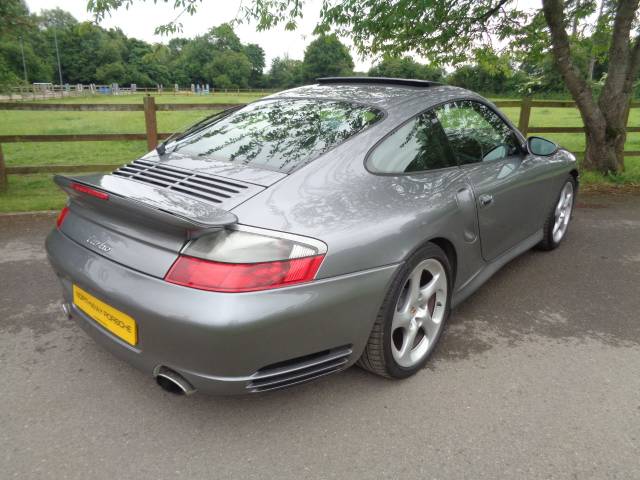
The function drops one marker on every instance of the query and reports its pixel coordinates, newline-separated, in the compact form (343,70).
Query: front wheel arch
(576,176)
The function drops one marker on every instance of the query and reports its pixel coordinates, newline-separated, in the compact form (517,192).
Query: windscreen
(279,134)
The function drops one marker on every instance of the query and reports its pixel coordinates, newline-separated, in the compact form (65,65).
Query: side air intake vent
(202,186)
(299,370)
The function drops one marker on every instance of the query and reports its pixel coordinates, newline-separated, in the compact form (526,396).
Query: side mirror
(541,146)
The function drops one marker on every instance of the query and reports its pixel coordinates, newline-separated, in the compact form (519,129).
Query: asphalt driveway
(537,376)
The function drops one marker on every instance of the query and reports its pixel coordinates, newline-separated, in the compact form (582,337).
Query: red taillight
(242,277)
(90,191)
(61,216)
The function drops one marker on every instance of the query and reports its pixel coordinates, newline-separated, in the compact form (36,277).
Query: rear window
(281,134)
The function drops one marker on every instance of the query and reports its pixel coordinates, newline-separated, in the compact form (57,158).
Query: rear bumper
(221,342)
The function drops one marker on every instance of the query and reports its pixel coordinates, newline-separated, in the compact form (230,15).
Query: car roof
(385,93)
(409,82)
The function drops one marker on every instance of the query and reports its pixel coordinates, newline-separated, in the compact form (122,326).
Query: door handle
(485,200)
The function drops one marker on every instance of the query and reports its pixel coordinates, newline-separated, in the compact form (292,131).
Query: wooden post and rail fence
(152,136)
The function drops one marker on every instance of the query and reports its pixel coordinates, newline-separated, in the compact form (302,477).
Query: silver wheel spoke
(430,288)
(407,344)
(414,288)
(401,320)
(424,315)
(408,300)
(559,208)
(431,328)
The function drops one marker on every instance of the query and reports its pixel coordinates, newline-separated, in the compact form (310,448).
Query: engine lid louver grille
(210,188)
(299,370)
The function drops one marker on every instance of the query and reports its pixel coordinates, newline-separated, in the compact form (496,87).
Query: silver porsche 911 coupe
(322,226)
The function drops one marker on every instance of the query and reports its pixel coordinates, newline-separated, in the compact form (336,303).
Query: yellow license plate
(118,323)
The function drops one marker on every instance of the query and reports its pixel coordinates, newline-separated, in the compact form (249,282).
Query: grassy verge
(627,181)
(31,193)
(37,192)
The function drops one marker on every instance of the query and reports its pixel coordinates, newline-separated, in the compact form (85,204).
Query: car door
(507,185)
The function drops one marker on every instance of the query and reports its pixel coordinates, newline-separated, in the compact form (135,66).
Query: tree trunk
(605,120)
(604,150)
(606,134)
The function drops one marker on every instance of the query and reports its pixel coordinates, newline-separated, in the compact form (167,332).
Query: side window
(417,146)
(476,133)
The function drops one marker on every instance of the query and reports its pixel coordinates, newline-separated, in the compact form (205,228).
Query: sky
(141,19)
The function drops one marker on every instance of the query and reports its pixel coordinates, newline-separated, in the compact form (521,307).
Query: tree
(605,118)
(406,67)
(493,73)
(218,58)
(224,38)
(228,69)
(255,55)
(84,49)
(326,56)
(18,34)
(450,32)
(285,73)
(194,55)
(14,17)
(111,73)
(37,69)
(90,53)
(57,18)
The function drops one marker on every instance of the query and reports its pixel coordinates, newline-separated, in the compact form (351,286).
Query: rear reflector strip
(90,191)
(61,216)
(242,277)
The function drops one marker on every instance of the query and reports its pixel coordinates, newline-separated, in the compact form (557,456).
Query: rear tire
(557,223)
(412,316)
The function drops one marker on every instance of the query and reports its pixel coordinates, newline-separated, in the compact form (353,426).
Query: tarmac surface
(537,376)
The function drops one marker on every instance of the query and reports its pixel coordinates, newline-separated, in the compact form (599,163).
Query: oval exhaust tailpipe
(172,382)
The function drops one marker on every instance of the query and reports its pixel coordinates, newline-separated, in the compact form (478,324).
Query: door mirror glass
(541,146)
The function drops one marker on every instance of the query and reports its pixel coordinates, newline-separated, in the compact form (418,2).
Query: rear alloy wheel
(412,316)
(557,224)
(419,312)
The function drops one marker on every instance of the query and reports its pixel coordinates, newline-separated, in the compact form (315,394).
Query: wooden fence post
(3,172)
(626,115)
(525,114)
(150,122)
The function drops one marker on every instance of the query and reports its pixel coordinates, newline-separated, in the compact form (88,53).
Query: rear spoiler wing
(157,204)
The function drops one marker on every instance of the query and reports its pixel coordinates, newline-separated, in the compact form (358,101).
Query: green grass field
(37,192)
